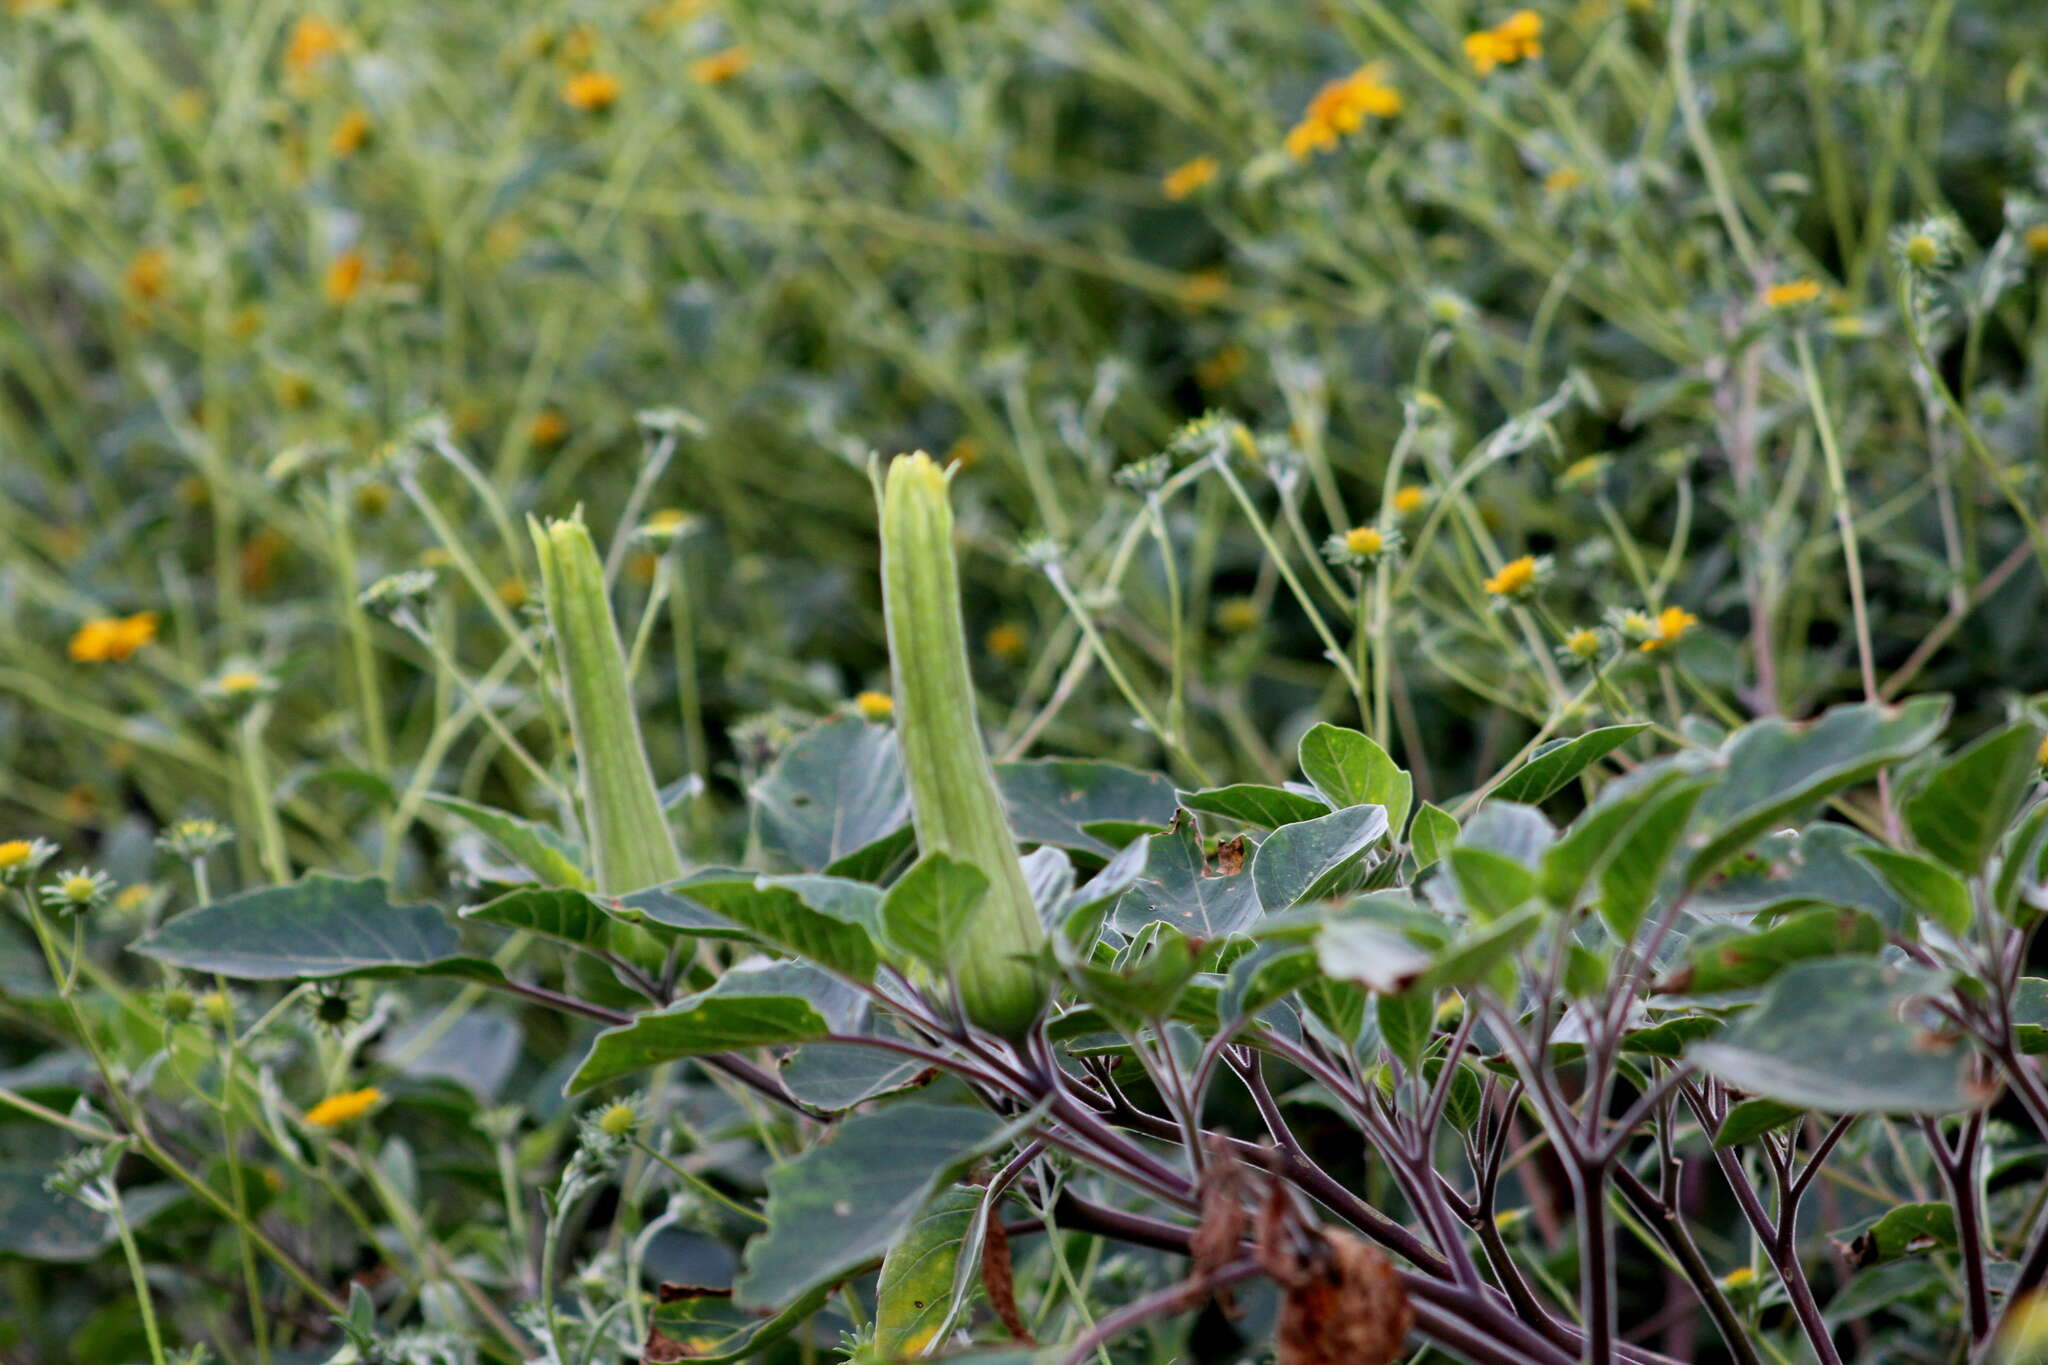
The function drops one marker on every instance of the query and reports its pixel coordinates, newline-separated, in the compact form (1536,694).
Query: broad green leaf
(1181,887)
(848,1199)
(926,913)
(1146,979)
(914,1296)
(315,928)
(1925,885)
(777,915)
(1266,974)
(1463,1101)
(1350,769)
(1963,808)
(1773,768)
(1406,1021)
(1831,1036)
(1472,956)
(1432,835)
(2018,887)
(1634,865)
(1550,768)
(837,1076)
(1751,1119)
(1339,1006)
(1791,871)
(836,790)
(714,1020)
(1576,858)
(2030,1015)
(715,1331)
(1740,959)
(1907,1230)
(1249,803)
(1492,884)
(541,851)
(38,1224)
(1376,956)
(570,917)
(1055,800)
(1309,860)
(1515,832)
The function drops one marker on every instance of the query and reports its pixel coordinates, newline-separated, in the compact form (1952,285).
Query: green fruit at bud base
(955,804)
(630,842)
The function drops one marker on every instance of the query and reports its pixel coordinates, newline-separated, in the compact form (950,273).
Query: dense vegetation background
(1646,360)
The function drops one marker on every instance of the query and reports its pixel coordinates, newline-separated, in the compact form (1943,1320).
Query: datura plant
(1699,1044)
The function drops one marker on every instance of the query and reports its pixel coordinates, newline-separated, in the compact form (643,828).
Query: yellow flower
(2036,239)
(1203,288)
(591,92)
(15,853)
(313,40)
(1672,622)
(1739,1278)
(1562,179)
(1410,500)
(549,429)
(344,277)
(336,1110)
(1007,641)
(1364,541)
(1184,179)
(513,592)
(1513,39)
(240,682)
(1583,643)
(1791,293)
(720,67)
(875,705)
(1515,578)
(1236,615)
(619,1120)
(148,274)
(113,638)
(350,134)
(1341,107)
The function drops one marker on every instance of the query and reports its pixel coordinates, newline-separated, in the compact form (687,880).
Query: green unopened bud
(955,804)
(630,840)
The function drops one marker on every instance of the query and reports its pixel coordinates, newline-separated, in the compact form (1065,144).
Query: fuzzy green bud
(631,845)
(955,804)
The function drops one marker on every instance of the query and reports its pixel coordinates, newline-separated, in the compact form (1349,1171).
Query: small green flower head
(19,858)
(395,592)
(76,891)
(176,1004)
(218,1009)
(1582,646)
(1927,247)
(619,1120)
(1145,476)
(1445,308)
(1361,547)
(239,687)
(1041,553)
(194,838)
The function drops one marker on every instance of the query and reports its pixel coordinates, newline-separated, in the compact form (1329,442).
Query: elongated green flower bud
(629,836)
(957,808)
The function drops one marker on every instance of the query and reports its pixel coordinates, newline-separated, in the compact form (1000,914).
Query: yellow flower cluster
(344,277)
(313,40)
(1518,37)
(1342,107)
(875,706)
(350,134)
(1515,578)
(336,1110)
(113,638)
(720,67)
(591,92)
(1791,293)
(1184,179)
(1672,623)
